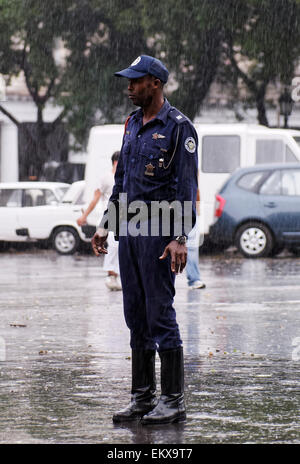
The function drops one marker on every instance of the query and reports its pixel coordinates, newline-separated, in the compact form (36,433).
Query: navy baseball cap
(144,65)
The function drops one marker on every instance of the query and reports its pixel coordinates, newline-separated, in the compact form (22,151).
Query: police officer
(158,162)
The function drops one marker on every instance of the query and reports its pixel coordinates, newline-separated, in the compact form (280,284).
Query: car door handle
(270,204)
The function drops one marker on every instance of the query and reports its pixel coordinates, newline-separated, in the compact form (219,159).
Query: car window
(290,157)
(290,182)
(272,185)
(250,180)
(60,192)
(50,197)
(11,198)
(220,153)
(33,197)
(269,151)
(80,199)
(38,197)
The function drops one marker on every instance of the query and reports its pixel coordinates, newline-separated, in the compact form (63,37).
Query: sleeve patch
(190,145)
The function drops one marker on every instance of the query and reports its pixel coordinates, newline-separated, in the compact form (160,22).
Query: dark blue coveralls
(149,169)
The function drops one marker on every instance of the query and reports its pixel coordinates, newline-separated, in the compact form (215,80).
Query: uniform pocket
(152,165)
(154,158)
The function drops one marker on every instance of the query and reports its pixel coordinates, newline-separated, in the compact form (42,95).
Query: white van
(103,142)
(222,149)
(225,147)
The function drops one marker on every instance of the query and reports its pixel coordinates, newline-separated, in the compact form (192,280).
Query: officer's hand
(178,255)
(98,242)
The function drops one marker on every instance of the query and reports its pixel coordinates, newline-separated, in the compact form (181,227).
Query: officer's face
(142,90)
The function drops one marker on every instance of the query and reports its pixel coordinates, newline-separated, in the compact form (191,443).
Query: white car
(34,211)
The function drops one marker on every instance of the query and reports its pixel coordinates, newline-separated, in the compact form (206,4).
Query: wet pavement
(65,357)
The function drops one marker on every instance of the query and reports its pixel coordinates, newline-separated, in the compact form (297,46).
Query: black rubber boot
(171,407)
(143,389)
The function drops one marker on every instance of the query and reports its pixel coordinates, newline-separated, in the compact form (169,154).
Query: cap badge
(135,62)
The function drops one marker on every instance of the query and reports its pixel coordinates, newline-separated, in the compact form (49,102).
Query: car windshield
(11,198)
(74,193)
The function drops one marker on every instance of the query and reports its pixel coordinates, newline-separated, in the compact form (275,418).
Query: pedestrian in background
(193,242)
(158,162)
(103,192)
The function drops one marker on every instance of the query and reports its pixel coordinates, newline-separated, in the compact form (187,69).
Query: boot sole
(174,420)
(119,420)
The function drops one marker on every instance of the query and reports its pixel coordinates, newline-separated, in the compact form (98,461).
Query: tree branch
(249,82)
(40,101)
(59,118)
(258,91)
(10,116)
(25,67)
(47,95)
(49,128)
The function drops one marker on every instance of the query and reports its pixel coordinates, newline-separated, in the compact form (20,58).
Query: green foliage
(197,39)
(102,37)
(99,37)
(266,38)
(187,35)
(269,35)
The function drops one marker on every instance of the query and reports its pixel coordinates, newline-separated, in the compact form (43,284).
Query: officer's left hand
(178,255)
(98,242)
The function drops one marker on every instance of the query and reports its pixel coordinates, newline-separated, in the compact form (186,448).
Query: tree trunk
(192,90)
(38,145)
(261,110)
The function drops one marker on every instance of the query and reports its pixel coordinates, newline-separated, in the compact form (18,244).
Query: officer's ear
(158,83)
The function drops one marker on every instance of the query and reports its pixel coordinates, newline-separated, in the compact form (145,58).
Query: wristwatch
(181,239)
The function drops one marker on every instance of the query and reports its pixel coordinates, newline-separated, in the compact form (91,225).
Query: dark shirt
(158,160)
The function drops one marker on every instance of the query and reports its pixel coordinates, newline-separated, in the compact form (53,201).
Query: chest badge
(149,169)
(156,136)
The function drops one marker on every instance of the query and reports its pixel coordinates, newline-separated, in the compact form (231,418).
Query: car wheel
(65,240)
(254,240)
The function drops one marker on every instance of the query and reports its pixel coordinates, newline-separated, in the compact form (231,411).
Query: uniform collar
(162,115)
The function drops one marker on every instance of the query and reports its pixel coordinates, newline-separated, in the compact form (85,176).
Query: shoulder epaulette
(177,116)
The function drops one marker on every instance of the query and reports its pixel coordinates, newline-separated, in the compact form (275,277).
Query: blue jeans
(192,265)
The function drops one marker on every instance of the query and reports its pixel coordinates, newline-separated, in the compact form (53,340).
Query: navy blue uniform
(158,161)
